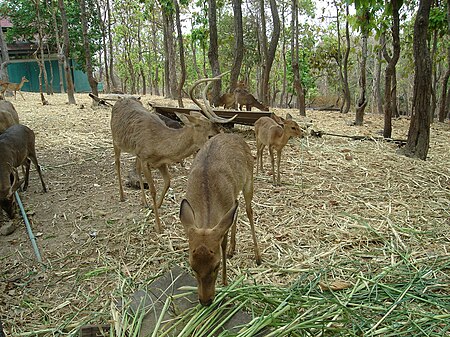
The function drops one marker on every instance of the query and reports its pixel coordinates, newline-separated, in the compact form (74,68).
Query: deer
(8,115)
(220,171)
(17,148)
(227,100)
(15,87)
(274,133)
(137,131)
(243,97)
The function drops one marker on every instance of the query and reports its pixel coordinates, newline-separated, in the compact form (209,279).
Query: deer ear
(227,220)
(183,118)
(288,117)
(187,216)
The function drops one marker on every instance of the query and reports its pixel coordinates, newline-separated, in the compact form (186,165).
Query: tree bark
(182,61)
(390,69)
(4,57)
(346,88)
(445,95)
(213,53)
(59,47)
(377,81)
(87,50)
(298,87)
(114,84)
(418,141)
(271,52)
(70,87)
(362,101)
(238,44)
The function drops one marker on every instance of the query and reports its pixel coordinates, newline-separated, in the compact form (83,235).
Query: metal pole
(30,232)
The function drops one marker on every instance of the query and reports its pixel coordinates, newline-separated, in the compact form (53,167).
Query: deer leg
(278,166)
(38,169)
(248,196)
(166,176)
(117,164)
(232,247)
(20,92)
(272,160)
(27,174)
(261,152)
(151,185)
(224,260)
(141,182)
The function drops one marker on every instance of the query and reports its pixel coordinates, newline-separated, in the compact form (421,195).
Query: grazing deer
(275,134)
(135,130)
(15,87)
(16,149)
(227,100)
(8,115)
(220,171)
(243,97)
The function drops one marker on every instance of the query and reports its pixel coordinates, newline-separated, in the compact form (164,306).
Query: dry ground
(338,199)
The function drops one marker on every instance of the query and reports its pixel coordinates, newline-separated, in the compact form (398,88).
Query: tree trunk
(4,57)
(419,129)
(182,61)
(295,59)
(114,84)
(59,49)
(378,101)
(362,101)
(106,82)
(271,52)
(213,53)
(87,50)
(390,69)
(346,88)
(445,95)
(70,87)
(238,44)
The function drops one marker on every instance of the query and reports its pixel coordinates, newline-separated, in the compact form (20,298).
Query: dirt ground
(337,197)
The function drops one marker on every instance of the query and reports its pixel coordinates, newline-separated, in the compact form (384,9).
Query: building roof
(4,22)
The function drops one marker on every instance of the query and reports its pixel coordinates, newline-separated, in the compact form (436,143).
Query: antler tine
(207,109)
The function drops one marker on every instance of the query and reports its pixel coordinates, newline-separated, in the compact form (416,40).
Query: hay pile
(347,212)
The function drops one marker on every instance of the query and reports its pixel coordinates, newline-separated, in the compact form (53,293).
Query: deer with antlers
(274,133)
(220,171)
(15,87)
(137,131)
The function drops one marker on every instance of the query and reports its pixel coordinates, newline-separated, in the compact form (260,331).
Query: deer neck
(181,143)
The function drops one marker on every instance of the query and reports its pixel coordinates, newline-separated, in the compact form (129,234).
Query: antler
(207,109)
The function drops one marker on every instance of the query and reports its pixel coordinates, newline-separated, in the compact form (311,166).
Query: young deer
(274,134)
(13,87)
(220,171)
(16,149)
(8,115)
(137,131)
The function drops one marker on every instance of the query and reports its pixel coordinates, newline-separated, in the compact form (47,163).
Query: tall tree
(394,6)
(238,44)
(363,14)
(298,87)
(213,53)
(59,48)
(66,48)
(4,57)
(270,53)
(444,107)
(182,61)
(87,50)
(419,129)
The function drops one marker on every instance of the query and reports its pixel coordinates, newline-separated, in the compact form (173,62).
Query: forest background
(356,54)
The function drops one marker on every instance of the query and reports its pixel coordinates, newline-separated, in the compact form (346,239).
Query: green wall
(30,70)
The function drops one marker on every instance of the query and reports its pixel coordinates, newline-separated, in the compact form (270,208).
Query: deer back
(8,115)
(138,131)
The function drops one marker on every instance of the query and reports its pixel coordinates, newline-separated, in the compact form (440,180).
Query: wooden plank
(243,117)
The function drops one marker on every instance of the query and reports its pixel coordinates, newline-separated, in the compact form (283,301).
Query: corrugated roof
(4,22)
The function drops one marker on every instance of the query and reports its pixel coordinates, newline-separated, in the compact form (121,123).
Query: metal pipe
(27,224)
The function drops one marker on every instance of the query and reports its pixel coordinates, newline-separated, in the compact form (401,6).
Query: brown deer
(137,131)
(16,149)
(220,171)
(15,87)
(227,101)
(8,115)
(275,134)
(243,97)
